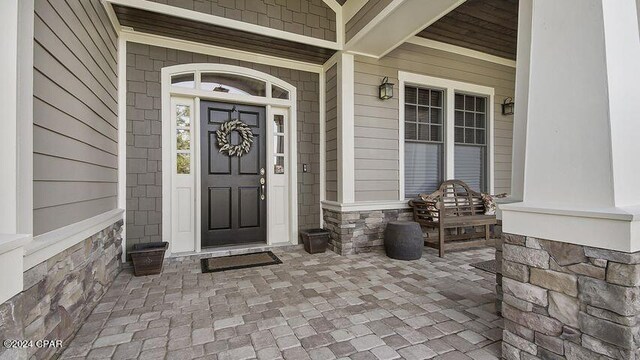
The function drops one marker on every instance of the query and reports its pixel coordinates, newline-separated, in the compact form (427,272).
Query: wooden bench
(453,205)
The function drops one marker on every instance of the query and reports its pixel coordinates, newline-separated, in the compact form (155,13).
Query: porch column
(571,253)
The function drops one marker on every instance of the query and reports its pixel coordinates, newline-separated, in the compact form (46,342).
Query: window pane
(423,97)
(468,119)
(468,136)
(423,132)
(480,137)
(469,103)
(410,131)
(423,168)
(480,123)
(436,133)
(183,115)
(410,113)
(423,114)
(410,95)
(480,104)
(278,124)
(279,93)
(183,140)
(278,167)
(436,116)
(233,84)
(459,118)
(459,102)
(279,144)
(459,135)
(470,166)
(436,98)
(183,164)
(183,80)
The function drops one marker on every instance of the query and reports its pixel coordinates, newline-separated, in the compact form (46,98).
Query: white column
(521,100)
(16,84)
(346,146)
(8,104)
(581,170)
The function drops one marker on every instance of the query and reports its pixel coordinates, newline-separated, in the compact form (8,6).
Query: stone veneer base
(60,293)
(361,231)
(565,301)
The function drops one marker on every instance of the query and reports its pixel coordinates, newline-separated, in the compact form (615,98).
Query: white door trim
(273,106)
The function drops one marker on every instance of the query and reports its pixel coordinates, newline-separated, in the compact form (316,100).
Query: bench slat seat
(453,205)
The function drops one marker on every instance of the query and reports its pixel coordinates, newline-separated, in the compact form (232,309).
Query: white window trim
(450,87)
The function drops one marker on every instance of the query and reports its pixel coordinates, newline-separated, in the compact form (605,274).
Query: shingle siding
(331,138)
(376,121)
(144,129)
(75,113)
(311,18)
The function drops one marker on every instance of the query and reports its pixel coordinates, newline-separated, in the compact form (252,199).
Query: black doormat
(489,266)
(242,261)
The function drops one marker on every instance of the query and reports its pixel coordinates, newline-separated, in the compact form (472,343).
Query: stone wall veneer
(565,301)
(60,293)
(360,231)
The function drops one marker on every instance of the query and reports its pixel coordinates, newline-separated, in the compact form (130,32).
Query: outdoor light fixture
(507,106)
(386,89)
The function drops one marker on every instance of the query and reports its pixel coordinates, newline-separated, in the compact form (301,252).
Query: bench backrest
(453,198)
(459,200)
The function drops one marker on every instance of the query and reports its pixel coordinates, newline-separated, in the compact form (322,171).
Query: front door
(233,188)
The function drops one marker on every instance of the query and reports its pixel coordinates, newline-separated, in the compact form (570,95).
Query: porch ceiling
(489,26)
(175,27)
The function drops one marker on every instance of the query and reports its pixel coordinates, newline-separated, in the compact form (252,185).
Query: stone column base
(360,231)
(565,301)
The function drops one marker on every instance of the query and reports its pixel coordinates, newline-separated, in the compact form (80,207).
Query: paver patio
(321,306)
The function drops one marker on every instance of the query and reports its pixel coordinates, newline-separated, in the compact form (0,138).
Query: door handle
(262,197)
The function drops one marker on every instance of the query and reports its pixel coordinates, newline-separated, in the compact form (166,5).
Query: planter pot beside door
(148,258)
(315,240)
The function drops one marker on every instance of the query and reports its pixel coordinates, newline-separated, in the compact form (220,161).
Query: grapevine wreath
(222,135)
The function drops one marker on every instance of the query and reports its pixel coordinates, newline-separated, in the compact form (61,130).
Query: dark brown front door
(232,209)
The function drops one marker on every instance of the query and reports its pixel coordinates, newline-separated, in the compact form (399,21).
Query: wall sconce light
(386,89)
(507,106)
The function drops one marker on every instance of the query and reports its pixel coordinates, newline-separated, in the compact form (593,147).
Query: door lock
(262,181)
(262,197)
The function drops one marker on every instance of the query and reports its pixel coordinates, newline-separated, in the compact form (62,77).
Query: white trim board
(190,46)
(122,139)
(449,87)
(45,246)
(420,41)
(226,22)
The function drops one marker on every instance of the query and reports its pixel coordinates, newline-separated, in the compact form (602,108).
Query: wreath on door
(223,135)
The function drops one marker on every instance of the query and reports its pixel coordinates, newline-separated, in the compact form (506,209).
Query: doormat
(242,261)
(489,266)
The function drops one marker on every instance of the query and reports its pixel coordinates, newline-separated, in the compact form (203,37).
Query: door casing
(276,233)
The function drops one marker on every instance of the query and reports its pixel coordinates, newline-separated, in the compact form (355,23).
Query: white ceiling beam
(397,23)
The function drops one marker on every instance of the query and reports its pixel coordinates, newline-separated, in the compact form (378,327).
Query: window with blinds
(470,154)
(424,139)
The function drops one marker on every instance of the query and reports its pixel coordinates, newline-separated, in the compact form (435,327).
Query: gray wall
(305,17)
(364,16)
(331,130)
(144,129)
(376,121)
(75,113)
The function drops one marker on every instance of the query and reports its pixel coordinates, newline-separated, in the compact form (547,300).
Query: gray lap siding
(144,130)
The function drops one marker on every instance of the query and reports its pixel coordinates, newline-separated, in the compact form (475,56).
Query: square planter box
(148,258)
(315,240)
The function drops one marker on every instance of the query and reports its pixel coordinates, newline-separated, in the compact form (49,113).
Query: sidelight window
(183,139)
(278,144)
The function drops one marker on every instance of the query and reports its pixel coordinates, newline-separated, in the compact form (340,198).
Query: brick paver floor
(322,306)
